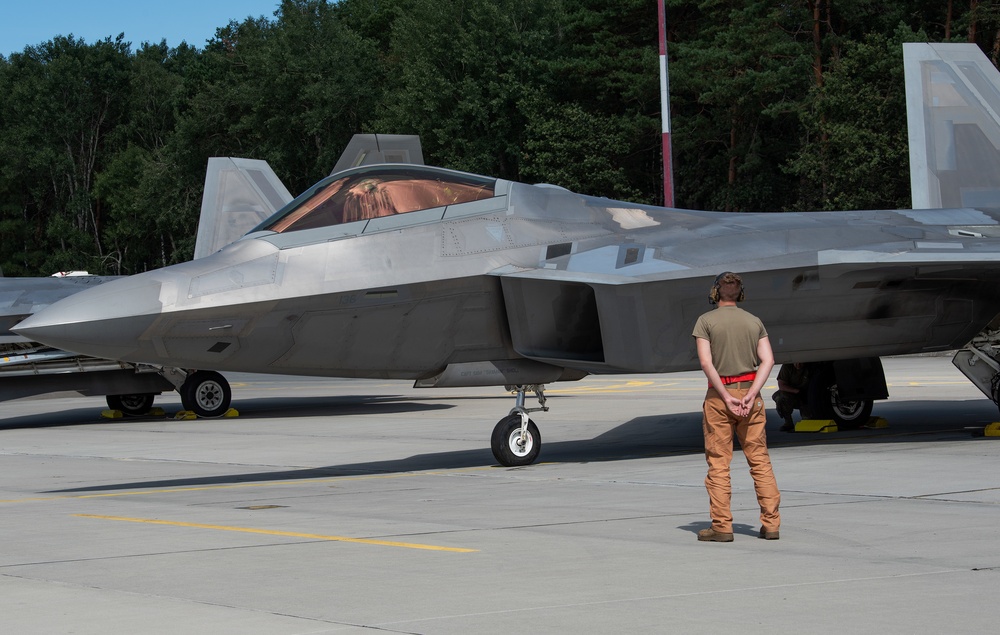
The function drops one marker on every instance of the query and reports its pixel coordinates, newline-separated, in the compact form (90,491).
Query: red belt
(735,379)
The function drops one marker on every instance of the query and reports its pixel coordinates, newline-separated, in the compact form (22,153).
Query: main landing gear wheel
(206,393)
(512,448)
(849,414)
(134,405)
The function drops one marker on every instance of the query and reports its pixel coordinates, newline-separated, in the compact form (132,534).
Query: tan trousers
(719,424)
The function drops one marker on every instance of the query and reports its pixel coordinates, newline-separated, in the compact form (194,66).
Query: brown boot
(768,535)
(710,535)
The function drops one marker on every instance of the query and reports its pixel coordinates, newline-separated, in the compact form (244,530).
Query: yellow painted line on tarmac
(930,383)
(631,387)
(626,387)
(290,534)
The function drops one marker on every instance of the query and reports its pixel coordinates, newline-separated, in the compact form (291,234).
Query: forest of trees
(775,106)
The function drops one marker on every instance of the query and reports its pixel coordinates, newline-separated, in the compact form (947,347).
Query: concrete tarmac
(350,506)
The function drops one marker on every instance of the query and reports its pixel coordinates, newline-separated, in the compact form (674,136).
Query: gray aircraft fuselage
(528,284)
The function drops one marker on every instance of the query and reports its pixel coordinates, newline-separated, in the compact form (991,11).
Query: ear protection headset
(713,295)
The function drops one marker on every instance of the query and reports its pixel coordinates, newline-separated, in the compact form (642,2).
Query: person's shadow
(738,528)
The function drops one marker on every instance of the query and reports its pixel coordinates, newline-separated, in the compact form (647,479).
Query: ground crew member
(736,356)
(792,395)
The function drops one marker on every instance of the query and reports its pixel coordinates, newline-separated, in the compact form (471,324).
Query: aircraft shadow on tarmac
(642,437)
(269,407)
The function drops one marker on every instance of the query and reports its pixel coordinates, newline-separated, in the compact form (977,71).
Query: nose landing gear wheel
(509,448)
(206,393)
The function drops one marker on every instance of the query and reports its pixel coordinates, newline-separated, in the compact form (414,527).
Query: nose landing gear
(516,440)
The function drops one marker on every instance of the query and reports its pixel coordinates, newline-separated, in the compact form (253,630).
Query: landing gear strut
(980,361)
(516,440)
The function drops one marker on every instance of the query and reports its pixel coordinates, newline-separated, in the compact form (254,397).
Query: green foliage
(599,131)
(292,91)
(581,151)
(64,102)
(734,114)
(859,155)
(775,106)
(457,73)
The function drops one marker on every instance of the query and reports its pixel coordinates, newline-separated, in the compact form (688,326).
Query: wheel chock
(188,415)
(816,425)
(992,430)
(874,423)
(118,414)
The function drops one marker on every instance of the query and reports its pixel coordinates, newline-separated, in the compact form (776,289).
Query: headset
(713,295)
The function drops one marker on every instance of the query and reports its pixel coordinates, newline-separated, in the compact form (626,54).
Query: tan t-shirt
(733,335)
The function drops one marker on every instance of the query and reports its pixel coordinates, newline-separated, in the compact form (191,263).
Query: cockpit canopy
(378,190)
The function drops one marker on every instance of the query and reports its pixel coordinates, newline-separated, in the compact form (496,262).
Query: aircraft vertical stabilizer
(369,149)
(953,117)
(239,194)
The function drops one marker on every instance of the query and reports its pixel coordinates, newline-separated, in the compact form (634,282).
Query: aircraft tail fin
(367,149)
(239,194)
(953,119)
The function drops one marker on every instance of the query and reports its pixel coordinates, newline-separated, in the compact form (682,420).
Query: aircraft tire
(995,389)
(136,405)
(206,393)
(504,442)
(850,415)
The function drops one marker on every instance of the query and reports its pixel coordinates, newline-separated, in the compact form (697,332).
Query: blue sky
(30,22)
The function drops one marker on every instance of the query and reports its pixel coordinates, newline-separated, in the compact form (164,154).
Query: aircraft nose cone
(104,321)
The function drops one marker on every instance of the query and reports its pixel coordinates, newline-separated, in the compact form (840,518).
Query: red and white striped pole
(668,176)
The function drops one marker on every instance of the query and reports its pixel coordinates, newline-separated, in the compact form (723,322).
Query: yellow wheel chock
(829,425)
(188,415)
(816,425)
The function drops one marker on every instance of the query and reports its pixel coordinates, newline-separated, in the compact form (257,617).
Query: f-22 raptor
(455,279)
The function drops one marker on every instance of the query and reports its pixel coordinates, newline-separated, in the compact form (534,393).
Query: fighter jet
(448,278)
(238,194)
